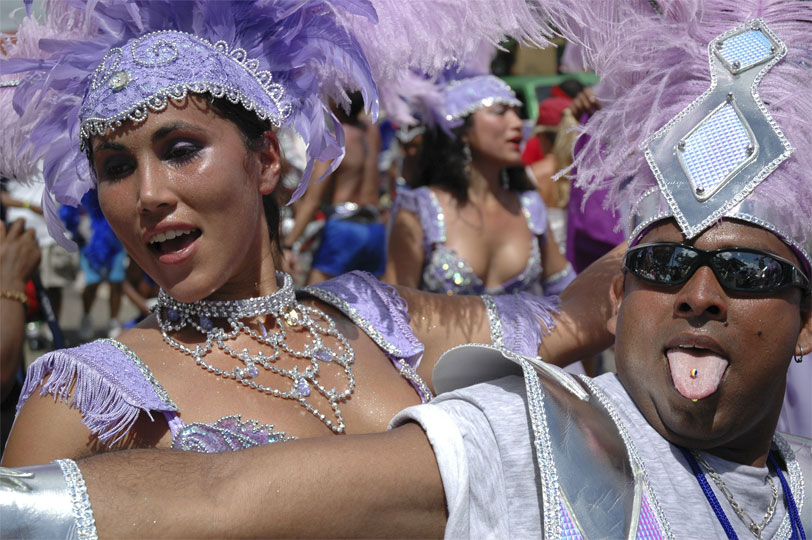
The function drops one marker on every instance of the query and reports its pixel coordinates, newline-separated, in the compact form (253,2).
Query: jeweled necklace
(694,459)
(287,313)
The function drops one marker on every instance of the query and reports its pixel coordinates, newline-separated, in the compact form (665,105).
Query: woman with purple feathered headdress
(169,109)
(475,224)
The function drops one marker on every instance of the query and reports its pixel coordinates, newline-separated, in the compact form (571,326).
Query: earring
(466,159)
(799,357)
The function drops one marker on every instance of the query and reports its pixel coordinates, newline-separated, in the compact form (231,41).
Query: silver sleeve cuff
(45,501)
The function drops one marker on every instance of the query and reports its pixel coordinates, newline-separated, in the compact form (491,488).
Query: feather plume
(653,63)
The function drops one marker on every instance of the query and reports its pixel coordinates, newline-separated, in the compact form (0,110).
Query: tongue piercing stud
(694,400)
(694,373)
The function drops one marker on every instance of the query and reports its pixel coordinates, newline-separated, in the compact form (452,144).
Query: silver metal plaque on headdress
(712,155)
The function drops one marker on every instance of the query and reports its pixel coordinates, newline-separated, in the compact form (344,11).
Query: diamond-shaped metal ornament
(712,155)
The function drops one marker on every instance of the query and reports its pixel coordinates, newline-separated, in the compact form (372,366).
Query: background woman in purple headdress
(478,225)
(179,136)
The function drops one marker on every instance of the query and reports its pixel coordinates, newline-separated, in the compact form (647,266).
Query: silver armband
(45,501)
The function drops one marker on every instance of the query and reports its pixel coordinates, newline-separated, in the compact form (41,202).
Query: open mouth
(695,371)
(173,241)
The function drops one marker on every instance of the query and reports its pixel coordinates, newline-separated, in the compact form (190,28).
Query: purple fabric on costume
(465,96)
(381,312)
(524,319)
(592,230)
(444,271)
(228,434)
(112,386)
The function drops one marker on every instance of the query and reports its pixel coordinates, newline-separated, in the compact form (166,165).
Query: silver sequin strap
(494,322)
(82,513)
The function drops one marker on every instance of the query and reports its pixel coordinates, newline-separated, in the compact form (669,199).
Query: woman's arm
(404,250)
(337,487)
(579,328)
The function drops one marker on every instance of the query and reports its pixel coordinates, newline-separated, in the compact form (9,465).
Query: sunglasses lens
(666,264)
(745,271)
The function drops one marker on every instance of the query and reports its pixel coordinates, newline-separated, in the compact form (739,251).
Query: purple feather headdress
(16,160)
(280,59)
(661,64)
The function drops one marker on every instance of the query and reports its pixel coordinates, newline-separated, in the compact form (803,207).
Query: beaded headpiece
(147,72)
(281,59)
(704,128)
(466,96)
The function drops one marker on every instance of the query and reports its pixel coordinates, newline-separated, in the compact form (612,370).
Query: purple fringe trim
(105,409)
(526,319)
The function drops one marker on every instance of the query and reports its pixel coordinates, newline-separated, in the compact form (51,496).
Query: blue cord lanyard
(792,508)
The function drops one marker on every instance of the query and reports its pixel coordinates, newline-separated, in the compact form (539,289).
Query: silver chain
(287,313)
(756,529)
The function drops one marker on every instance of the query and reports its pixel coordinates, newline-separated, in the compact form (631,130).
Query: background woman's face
(184,195)
(496,134)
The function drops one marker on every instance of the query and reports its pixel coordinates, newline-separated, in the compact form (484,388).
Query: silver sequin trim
(82,513)
(405,370)
(159,390)
(632,450)
(544,453)
(796,484)
(494,321)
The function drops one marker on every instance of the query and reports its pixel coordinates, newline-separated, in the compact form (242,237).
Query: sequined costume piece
(112,386)
(445,272)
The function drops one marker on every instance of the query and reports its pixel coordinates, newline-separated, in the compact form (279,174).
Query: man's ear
(616,293)
(804,343)
(270,159)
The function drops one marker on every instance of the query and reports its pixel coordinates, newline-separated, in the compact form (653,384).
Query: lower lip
(178,257)
(515,145)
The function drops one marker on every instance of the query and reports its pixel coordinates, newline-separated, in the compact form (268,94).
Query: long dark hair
(442,163)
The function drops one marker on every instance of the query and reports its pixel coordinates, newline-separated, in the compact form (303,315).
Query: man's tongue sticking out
(696,372)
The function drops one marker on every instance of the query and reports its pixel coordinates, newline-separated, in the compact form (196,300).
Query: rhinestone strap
(286,313)
(544,453)
(494,322)
(85,523)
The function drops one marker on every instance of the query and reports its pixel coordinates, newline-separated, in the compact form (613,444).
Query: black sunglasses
(736,269)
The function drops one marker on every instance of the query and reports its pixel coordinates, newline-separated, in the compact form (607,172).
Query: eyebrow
(157,136)
(174,126)
(107,145)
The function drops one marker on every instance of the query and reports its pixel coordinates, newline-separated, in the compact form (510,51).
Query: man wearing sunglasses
(710,310)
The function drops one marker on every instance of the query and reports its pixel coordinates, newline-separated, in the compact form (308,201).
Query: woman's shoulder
(374,306)
(104,379)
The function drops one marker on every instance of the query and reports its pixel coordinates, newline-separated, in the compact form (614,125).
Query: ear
(804,343)
(616,293)
(270,157)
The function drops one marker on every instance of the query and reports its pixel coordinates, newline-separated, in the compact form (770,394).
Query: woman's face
(496,134)
(184,195)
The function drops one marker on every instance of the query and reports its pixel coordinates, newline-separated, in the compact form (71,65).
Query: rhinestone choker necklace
(289,315)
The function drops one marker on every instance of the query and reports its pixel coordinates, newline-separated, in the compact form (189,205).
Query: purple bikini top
(113,385)
(445,272)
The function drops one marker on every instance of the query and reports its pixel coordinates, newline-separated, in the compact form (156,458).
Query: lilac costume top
(445,272)
(112,386)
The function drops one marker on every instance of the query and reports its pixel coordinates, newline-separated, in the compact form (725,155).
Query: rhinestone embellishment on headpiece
(146,73)
(287,315)
(466,96)
(715,152)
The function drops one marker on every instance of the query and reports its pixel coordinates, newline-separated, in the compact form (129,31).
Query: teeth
(168,235)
